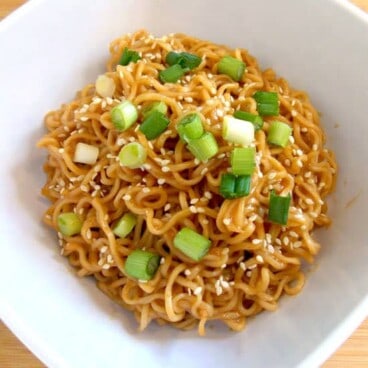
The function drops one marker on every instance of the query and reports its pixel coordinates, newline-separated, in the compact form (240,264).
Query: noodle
(251,262)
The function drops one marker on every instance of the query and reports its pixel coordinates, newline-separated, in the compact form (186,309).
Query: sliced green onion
(204,147)
(69,223)
(237,131)
(227,186)
(184,59)
(232,67)
(85,153)
(232,186)
(243,160)
(159,106)
(278,211)
(192,244)
(279,133)
(125,225)
(142,264)
(129,56)
(242,185)
(154,124)
(124,115)
(132,155)
(256,120)
(267,103)
(172,74)
(190,127)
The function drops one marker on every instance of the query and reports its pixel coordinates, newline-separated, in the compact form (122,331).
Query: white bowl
(51,48)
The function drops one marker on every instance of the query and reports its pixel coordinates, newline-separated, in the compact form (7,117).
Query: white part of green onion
(125,225)
(237,131)
(105,86)
(85,154)
(133,155)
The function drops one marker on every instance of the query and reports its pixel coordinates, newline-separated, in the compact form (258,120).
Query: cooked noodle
(251,262)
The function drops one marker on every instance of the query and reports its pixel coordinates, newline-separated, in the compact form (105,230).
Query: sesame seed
(103,249)
(193,209)
(146,190)
(294,113)
(188,99)
(162,260)
(268,238)
(291,139)
(299,152)
(221,155)
(61,150)
(293,234)
(89,234)
(248,273)
(253,218)
(187,272)
(161,181)
(315,147)
(259,258)
(106,266)
(127,197)
(272,175)
(218,290)
(147,166)
(285,240)
(287,162)
(271,249)
(299,163)
(208,195)
(84,188)
(205,222)
(167,207)
(297,244)
(165,169)
(204,171)
(197,290)
(257,241)
(84,118)
(278,241)
(121,141)
(196,161)
(309,201)
(253,266)
(227,221)
(304,130)
(242,266)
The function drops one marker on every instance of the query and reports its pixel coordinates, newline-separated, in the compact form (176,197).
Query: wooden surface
(353,353)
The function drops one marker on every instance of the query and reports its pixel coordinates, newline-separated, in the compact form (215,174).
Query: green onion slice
(184,59)
(256,120)
(190,127)
(125,225)
(192,244)
(242,185)
(69,223)
(154,124)
(172,74)
(142,264)
(278,211)
(243,160)
(124,115)
(267,103)
(237,131)
(129,56)
(232,67)
(159,106)
(227,186)
(279,133)
(132,155)
(204,147)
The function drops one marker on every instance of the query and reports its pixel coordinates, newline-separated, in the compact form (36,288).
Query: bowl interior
(67,321)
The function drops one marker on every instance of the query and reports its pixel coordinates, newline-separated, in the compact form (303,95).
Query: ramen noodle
(249,259)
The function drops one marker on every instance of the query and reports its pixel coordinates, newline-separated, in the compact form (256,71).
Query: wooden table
(13,354)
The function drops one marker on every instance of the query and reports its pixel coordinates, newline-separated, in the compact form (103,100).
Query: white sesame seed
(294,113)
(167,206)
(304,130)
(194,201)
(127,197)
(146,190)
(268,238)
(165,169)
(204,171)
(218,290)
(221,155)
(106,266)
(242,266)
(285,240)
(84,118)
(297,244)
(248,273)
(227,221)
(299,152)
(299,163)
(84,188)
(259,258)
(161,181)
(257,241)
(278,241)
(253,266)
(162,260)
(187,272)
(293,234)
(61,150)
(208,195)
(253,218)
(270,248)
(197,290)
(103,249)
(89,234)
(272,175)
(193,209)
(205,222)
(309,201)
(291,139)
(287,162)
(315,147)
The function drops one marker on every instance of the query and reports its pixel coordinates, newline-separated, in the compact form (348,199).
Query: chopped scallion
(154,124)
(129,56)
(124,115)
(192,244)
(267,103)
(184,59)
(243,160)
(172,74)
(159,106)
(204,147)
(142,264)
(242,185)
(278,211)
(132,155)
(69,223)
(279,133)
(227,186)
(85,153)
(190,127)
(232,67)
(237,131)
(256,120)
(125,225)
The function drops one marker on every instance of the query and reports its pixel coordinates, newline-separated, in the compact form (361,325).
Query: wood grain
(13,354)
